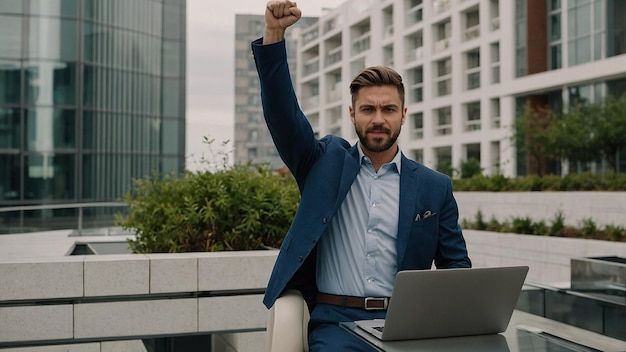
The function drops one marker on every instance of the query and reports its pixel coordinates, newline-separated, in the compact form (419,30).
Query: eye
(389,109)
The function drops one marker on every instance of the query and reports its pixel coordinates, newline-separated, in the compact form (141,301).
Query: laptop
(449,302)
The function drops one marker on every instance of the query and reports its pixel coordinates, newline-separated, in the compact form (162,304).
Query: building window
(554,35)
(440,6)
(585,31)
(521,66)
(417,125)
(443,32)
(443,161)
(472,69)
(10,128)
(472,24)
(413,46)
(48,129)
(472,116)
(416,82)
(418,155)
(10,78)
(495,62)
(443,79)
(494,14)
(495,113)
(414,12)
(443,121)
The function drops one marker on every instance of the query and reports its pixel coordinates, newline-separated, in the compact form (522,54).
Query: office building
(252,139)
(92,95)
(469,66)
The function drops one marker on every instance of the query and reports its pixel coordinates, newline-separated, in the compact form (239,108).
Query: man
(366,211)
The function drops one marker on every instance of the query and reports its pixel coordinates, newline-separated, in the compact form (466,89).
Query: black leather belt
(367,303)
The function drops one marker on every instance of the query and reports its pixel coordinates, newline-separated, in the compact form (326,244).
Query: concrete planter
(549,258)
(604,208)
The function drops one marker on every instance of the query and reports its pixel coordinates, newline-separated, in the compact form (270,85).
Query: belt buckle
(375,299)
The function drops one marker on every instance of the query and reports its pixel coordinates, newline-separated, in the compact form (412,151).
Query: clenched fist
(278,16)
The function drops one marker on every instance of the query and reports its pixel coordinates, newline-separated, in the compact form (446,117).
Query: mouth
(378,132)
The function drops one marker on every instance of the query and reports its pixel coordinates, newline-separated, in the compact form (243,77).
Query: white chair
(287,324)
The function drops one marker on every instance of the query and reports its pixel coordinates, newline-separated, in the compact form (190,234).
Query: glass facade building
(92,95)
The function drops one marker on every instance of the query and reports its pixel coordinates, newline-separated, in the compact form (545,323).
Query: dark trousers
(326,335)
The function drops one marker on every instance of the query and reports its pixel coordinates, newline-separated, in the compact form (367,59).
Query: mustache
(378,129)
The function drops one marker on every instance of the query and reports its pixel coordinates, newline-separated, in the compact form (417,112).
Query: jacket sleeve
(291,131)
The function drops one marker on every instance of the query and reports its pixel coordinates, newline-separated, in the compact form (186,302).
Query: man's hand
(278,16)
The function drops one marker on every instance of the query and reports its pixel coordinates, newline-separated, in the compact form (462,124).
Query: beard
(377,144)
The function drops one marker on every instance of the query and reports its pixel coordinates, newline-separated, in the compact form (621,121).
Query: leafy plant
(470,168)
(615,233)
(588,227)
(240,208)
(558,223)
(224,208)
(522,225)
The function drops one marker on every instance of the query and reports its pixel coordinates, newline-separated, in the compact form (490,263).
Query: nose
(378,117)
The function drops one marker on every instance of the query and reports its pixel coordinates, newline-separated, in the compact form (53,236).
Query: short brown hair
(377,76)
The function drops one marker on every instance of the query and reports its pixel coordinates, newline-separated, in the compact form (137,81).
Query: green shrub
(588,228)
(238,208)
(470,168)
(573,182)
(615,233)
(558,223)
(445,167)
(494,225)
(541,229)
(479,223)
(522,225)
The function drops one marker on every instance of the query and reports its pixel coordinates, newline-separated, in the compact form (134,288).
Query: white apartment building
(469,67)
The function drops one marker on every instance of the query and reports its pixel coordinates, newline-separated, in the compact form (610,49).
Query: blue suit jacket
(325,169)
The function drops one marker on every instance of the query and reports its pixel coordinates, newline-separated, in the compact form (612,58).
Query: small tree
(611,129)
(534,132)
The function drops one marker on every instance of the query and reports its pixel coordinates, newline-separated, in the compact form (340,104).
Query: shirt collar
(396,159)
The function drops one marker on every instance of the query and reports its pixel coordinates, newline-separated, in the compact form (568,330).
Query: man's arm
(278,16)
(291,132)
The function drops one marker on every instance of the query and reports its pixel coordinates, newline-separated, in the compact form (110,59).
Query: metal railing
(99,216)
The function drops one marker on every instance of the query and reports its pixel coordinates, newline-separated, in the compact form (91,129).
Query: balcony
(361,44)
(414,54)
(440,6)
(472,32)
(334,56)
(442,45)
(312,66)
(414,16)
(495,23)
(311,102)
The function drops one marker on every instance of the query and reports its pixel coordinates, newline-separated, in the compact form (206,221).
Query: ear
(404,115)
(351,110)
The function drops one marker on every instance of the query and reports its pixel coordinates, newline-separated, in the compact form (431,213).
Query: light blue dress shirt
(357,257)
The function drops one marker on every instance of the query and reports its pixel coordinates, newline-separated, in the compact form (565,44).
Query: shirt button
(369,231)
(376,177)
(370,280)
(368,256)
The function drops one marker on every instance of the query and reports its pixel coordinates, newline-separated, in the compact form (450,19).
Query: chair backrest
(287,324)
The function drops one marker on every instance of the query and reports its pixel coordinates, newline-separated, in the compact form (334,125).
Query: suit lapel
(351,167)
(408,196)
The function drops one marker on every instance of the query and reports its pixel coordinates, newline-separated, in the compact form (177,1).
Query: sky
(210,69)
